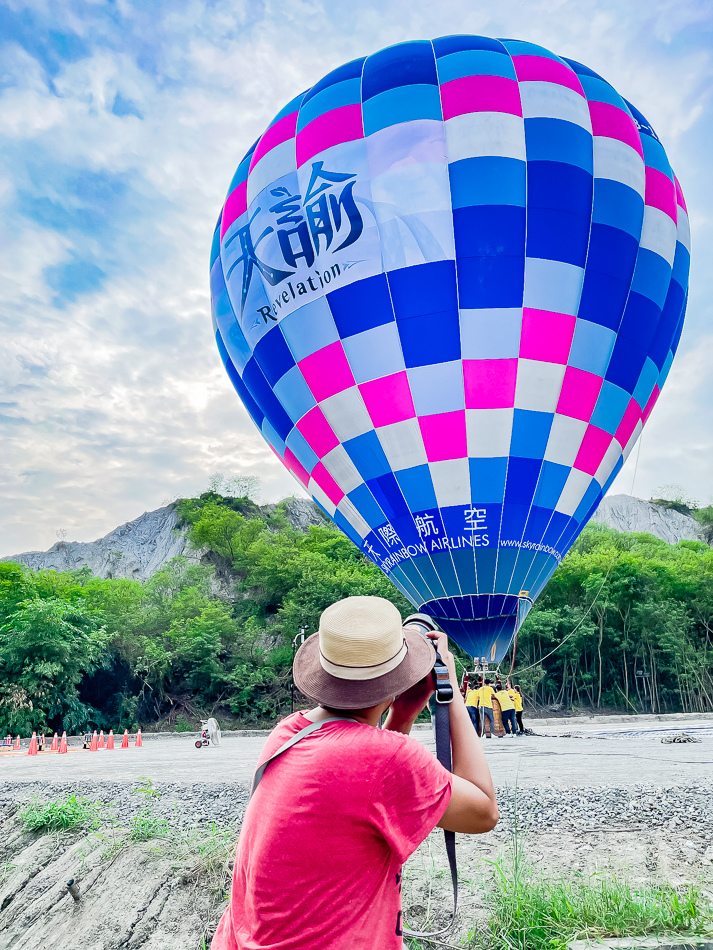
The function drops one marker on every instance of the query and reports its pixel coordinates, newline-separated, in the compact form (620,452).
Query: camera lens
(421,622)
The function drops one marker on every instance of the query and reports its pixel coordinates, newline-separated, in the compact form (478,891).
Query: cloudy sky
(121,124)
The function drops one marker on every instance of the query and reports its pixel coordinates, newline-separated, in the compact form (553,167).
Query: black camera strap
(444,697)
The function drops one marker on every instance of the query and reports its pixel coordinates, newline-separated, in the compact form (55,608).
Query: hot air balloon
(448,282)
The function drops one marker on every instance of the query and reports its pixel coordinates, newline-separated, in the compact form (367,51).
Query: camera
(423,623)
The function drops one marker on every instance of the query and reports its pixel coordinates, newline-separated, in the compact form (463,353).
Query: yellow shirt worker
(485,696)
(471,704)
(503,697)
(516,697)
(485,702)
(507,708)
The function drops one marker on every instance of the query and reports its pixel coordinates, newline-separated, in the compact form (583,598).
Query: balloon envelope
(448,282)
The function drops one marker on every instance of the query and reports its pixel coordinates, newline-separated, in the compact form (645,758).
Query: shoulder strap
(312,727)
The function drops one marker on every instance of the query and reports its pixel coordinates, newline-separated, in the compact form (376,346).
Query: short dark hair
(488,682)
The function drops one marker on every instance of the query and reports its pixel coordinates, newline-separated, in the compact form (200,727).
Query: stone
(134,550)
(628,514)
(680,738)
(300,512)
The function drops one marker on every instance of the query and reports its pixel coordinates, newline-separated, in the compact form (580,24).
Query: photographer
(318,865)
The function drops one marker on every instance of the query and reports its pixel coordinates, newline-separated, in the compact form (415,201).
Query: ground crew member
(485,704)
(516,696)
(507,708)
(471,704)
(351,789)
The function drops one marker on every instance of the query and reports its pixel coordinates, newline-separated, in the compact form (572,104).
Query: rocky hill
(632,515)
(139,548)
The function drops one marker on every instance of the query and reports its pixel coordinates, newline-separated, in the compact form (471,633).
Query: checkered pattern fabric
(448,283)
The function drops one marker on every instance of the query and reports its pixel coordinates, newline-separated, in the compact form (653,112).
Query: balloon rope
(514,651)
(572,632)
(512,664)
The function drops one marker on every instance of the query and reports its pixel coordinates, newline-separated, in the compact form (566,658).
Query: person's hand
(406,707)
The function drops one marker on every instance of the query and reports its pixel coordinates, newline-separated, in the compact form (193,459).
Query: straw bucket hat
(361,655)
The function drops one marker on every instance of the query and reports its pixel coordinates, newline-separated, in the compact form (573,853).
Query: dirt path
(628,748)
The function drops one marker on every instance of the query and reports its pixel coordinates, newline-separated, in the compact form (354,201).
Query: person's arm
(472,808)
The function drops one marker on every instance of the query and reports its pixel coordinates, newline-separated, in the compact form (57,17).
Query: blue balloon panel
(448,283)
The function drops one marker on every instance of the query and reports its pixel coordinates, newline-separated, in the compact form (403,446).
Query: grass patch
(206,856)
(147,789)
(204,860)
(69,814)
(531,913)
(146,825)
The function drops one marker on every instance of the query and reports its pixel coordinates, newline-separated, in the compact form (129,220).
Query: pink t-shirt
(318,865)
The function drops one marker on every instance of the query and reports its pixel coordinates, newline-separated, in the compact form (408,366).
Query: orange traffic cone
(110,739)
(17,743)
(42,742)
(138,744)
(63,743)
(55,743)
(125,739)
(101,739)
(93,746)
(33,745)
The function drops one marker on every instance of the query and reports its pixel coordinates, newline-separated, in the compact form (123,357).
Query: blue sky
(121,124)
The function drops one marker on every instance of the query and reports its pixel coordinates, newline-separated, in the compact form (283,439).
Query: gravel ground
(644,834)
(194,805)
(597,808)
(607,799)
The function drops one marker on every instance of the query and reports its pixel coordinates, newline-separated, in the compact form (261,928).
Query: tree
(676,497)
(217,527)
(199,644)
(46,648)
(76,648)
(17,584)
